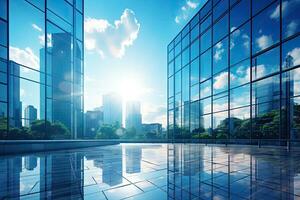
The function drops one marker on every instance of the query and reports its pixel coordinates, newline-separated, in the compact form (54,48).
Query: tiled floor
(144,171)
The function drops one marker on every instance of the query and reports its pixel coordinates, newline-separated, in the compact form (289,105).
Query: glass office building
(41,67)
(233,72)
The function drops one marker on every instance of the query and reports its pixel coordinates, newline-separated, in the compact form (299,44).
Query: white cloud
(260,71)
(24,56)
(36,27)
(154,113)
(186,10)
(276,13)
(291,28)
(295,53)
(111,39)
(264,41)
(219,52)
(221,80)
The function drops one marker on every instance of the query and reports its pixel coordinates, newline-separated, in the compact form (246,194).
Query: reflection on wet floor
(145,171)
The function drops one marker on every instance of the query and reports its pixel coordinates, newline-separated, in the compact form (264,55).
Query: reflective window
(220,125)
(177,49)
(266,91)
(205,106)
(221,28)
(291,17)
(171,68)
(205,69)
(220,82)
(195,32)
(291,83)
(178,63)
(195,20)
(186,57)
(266,29)
(171,86)
(195,49)
(205,9)
(185,84)
(79,5)
(3,77)
(205,40)
(295,118)
(266,63)
(62,9)
(186,117)
(239,14)
(185,30)
(185,41)
(220,102)
(195,92)
(178,82)
(240,96)
(3,92)
(240,44)
(3,9)
(38,3)
(195,71)
(79,27)
(205,89)
(178,39)
(194,118)
(171,55)
(3,66)
(3,33)
(205,126)
(178,99)
(291,53)
(258,5)
(220,56)
(220,8)
(240,125)
(3,52)
(205,24)
(177,120)
(240,74)
(3,113)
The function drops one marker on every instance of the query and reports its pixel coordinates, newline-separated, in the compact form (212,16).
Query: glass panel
(3,52)
(291,53)
(205,106)
(266,63)
(185,84)
(205,24)
(186,118)
(178,99)
(291,18)
(220,102)
(205,40)
(220,82)
(62,9)
(26,44)
(240,74)
(195,49)
(186,57)
(258,5)
(220,55)
(205,127)
(220,125)
(185,30)
(3,92)
(205,9)
(240,96)
(79,5)
(3,78)
(3,33)
(178,39)
(177,49)
(171,68)
(266,29)
(294,106)
(194,118)
(195,71)
(171,86)
(291,83)
(177,122)
(171,55)
(195,20)
(239,14)
(195,92)
(221,29)
(178,63)
(205,89)
(79,27)
(185,41)
(3,9)
(38,3)
(195,32)
(205,69)
(220,8)
(3,66)
(240,125)
(178,82)
(240,44)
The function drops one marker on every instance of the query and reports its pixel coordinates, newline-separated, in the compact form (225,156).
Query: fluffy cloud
(154,113)
(295,53)
(221,80)
(264,41)
(24,56)
(111,39)
(219,52)
(291,28)
(186,10)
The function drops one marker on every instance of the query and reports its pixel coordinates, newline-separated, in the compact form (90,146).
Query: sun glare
(130,88)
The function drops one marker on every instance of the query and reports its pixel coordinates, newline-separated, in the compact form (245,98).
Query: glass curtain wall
(41,69)
(243,61)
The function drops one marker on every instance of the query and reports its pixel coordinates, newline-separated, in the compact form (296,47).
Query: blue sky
(136,69)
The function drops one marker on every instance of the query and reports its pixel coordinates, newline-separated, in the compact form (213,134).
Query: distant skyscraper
(93,120)
(133,115)
(30,162)
(112,109)
(30,115)
(133,159)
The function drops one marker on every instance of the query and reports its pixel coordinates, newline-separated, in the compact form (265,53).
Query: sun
(130,88)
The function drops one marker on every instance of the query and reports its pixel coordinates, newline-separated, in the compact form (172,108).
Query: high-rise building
(45,68)
(133,115)
(112,109)
(30,115)
(155,128)
(233,73)
(93,121)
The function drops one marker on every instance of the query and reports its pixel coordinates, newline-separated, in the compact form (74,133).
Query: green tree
(107,131)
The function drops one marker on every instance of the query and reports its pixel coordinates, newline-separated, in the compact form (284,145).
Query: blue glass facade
(233,72)
(41,67)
